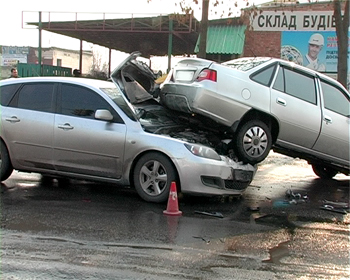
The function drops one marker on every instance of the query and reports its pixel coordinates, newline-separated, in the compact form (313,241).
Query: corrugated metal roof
(224,39)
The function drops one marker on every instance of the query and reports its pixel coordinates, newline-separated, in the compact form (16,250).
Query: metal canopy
(149,35)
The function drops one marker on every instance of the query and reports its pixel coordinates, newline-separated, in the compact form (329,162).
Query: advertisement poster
(317,50)
(12,59)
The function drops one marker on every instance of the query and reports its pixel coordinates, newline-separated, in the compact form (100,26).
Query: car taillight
(207,74)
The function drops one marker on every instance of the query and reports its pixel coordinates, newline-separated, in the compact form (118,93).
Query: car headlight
(202,151)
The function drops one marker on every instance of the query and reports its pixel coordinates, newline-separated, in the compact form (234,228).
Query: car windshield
(245,64)
(118,98)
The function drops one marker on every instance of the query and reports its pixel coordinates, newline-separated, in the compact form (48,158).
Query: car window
(79,101)
(118,98)
(279,82)
(296,84)
(264,76)
(34,96)
(334,99)
(7,92)
(245,64)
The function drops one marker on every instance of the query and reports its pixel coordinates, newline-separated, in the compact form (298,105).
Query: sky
(14,31)
(15,14)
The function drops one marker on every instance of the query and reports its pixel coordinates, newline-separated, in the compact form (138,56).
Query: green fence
(33,70)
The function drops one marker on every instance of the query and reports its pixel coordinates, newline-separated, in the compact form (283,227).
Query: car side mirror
(104,115)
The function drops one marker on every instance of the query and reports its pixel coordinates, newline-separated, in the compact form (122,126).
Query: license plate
(185,76)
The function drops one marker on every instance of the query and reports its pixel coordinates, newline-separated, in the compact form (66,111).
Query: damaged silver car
(264,103)
(114,132)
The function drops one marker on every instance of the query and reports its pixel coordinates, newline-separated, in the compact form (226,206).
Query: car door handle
(13,119)
(327,119)
(65,126)
(281,101)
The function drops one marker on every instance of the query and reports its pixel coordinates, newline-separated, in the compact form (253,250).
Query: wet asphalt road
(85,230)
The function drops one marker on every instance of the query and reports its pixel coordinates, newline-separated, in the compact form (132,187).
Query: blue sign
(317,50)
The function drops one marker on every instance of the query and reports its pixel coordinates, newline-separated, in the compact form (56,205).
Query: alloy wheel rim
(255,141)
(153,178)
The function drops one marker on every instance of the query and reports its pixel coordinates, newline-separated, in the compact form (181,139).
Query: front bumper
(210,177)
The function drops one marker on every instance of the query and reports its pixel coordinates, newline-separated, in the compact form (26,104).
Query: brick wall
(263,43)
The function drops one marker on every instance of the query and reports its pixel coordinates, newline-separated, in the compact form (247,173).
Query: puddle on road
(278,252)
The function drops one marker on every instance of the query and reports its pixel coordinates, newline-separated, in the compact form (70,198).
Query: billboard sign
(315,50)
(294,21)
(13,59)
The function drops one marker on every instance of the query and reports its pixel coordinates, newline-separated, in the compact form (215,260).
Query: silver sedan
(88,129)
(265,103)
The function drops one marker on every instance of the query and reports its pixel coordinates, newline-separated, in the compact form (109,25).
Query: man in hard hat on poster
(311,59)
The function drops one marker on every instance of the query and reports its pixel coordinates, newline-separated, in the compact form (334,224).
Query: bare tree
(342,30)
(203,30)
(99,69)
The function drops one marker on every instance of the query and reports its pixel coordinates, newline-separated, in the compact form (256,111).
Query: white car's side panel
(335,135)
(29,137)
(300,121)
(89,146)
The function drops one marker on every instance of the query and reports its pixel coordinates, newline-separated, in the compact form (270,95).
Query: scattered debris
(334,206)
(253,208)
(212,214)
(333,209)
(280,203)
(296,198)
(200,237)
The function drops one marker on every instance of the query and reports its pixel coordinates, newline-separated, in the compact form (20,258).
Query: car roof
(80,81)
(291,64)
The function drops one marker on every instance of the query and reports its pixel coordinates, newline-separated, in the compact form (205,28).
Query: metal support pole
(109,62)
(39,48)
(170,43)
(81,57)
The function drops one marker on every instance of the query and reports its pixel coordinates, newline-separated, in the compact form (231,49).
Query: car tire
(324,172)
(5,163)
(153,174)
(253,141)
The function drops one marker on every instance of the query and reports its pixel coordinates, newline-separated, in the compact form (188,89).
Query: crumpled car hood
(137,82)
(135,79)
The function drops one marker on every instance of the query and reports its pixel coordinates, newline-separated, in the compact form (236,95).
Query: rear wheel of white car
(5,163)
(153,175)
(253,141)
(323,171)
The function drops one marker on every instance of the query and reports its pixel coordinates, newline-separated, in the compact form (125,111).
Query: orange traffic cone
(173,206)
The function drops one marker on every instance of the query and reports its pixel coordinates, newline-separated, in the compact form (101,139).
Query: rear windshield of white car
(118,98)
(245,64)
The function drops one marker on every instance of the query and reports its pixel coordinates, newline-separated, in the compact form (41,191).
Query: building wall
(50,56)
(67,58)
(268,43)
(263,43)
(71,59)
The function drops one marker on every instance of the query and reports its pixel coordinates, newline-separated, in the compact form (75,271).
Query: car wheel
(152,176)
(323,171)
(5,163)
(253,141)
